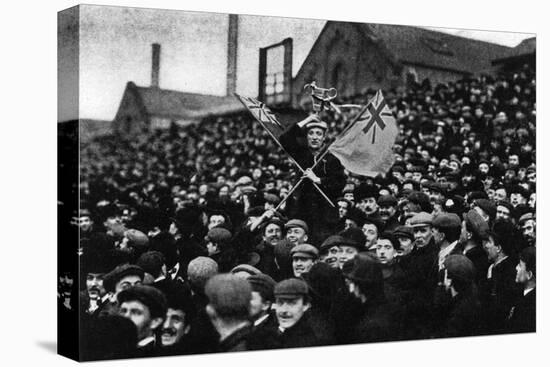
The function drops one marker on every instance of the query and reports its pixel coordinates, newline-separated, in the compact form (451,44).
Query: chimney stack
(232,44)
(155,69)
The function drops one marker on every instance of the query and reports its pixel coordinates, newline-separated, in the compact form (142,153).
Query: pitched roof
(175,104)
(526,47)
(436,49)
(414,45)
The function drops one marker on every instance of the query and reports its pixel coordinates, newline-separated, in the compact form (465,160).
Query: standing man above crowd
(304,141)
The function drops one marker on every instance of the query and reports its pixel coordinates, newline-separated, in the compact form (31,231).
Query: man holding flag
(363,148)
(304,141)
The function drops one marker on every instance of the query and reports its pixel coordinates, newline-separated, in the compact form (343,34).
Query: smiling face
(296,235)
(387,211)
(315,138)
(331,257)
(174,327)
(272,234)
(301,264)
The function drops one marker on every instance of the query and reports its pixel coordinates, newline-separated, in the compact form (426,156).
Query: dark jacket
(420,281)
(523,316)
(300,335)
(479,257)
(236,342)
(373,325)
(308,204)
(464,317)
(499,294)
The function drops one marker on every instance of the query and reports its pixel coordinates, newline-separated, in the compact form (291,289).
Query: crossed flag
(356,152)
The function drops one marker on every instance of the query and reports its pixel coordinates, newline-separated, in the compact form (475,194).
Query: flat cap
(316,122)
(137,238)
(476,224)
(305,250)
(525,217)
(243,181)
(291,288)
(218,234)
(246,269)
(421,219)
(263,284)
(229,295)
(200,269)
(112,278)
(151,262)
(404,231)
(387,200)
(460,267)
(446,220)
(297,223)
(487,206)
(150,296)
(507,205)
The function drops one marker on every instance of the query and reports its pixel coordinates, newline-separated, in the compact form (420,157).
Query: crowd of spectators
(186,246)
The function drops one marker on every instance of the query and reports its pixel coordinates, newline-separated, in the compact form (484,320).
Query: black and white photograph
(232,182)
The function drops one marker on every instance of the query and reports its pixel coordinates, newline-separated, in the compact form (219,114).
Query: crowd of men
(186,246)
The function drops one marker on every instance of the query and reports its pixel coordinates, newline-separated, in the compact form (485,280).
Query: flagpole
(289,193)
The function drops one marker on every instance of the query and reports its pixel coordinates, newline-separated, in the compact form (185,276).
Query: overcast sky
(115,47)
